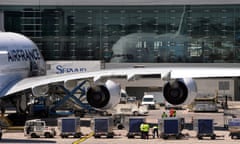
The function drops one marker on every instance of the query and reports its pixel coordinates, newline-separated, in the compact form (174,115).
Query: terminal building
(123,33)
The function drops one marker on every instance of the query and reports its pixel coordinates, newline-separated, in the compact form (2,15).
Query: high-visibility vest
(142,127)
(171,112)
(145,127)
(174,113)
(155,127)
(164,115)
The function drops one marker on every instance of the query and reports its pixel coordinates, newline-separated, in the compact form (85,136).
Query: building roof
(117,2)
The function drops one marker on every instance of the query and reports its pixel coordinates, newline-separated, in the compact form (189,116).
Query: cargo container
(204,128)
(234,128)
(171,127)
(69,126)
(133,126)
(103,126)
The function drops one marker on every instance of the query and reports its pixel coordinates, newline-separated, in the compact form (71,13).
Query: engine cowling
(180,91)
(104,96)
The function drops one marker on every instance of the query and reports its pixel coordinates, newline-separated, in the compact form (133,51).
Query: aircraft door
(34,69)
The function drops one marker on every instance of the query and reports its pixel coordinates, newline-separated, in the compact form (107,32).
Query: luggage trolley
(103,126)
(204,128)
(234,128)
(134,126)
(171,127)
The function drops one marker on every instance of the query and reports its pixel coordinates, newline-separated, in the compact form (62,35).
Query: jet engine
(104,96)
(180,91)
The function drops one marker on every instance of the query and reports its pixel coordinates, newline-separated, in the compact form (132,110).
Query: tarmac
(120,137)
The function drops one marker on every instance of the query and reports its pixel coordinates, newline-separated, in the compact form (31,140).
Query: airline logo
(16,55)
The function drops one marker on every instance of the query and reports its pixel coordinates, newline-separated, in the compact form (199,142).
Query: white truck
(37,128)
(149,101)
(158,97)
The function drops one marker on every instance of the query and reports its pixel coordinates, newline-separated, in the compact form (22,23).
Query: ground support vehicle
(204,128)
(103,126)
(133,126)
(234,128)
(171,126)
(36,128)
(205,104)
(149,101)
(130,109)
(69,126)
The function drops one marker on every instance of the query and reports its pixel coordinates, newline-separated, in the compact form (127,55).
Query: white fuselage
(19,58)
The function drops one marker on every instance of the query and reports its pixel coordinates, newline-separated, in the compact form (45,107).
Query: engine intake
(104,96)
(180,91)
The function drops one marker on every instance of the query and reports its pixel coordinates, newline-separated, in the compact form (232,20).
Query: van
(149,101)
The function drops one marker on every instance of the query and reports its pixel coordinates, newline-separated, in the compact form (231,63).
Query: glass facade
(180,33)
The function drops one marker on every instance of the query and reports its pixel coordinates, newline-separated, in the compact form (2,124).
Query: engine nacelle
(180,91)
(104,96)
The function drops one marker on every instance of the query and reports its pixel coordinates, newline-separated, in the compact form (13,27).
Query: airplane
(23,73)
(135,46)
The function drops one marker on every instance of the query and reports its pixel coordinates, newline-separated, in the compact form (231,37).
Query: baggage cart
(69,126)
(134,126)
(204,128)
(234,128)
(171,127)
(103,126)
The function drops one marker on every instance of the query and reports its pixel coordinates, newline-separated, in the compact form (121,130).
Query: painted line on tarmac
(82,139)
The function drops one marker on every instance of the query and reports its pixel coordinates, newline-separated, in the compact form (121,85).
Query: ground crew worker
(142,130)
(171,112)
(174,113)
(146,130)
(155,131)
(164,115)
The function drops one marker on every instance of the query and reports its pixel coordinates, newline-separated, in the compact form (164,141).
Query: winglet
(166,76)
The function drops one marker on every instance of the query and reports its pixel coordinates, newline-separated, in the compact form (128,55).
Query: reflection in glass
(191,33)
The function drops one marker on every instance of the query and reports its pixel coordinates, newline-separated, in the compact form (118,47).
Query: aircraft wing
(165,73)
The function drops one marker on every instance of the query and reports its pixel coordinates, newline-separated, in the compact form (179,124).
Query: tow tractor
(37,128)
